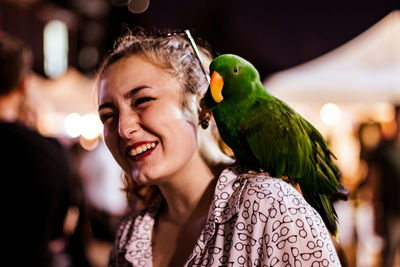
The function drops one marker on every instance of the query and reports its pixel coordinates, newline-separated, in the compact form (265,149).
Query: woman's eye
(143,100)
(106,116)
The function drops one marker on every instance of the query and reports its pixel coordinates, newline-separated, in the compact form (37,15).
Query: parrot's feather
(266,133)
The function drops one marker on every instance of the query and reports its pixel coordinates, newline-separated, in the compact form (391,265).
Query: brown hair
(15,62)
(174,54)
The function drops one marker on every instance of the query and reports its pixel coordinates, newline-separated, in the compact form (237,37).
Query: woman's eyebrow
(133,91)
(105,105)
(127,95)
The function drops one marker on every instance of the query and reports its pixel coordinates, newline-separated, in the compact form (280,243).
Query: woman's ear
(204,118)
(205,115)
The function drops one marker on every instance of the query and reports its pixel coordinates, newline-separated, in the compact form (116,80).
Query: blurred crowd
(64,202)
(370,220)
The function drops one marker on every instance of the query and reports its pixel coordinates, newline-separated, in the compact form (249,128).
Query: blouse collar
(224,206)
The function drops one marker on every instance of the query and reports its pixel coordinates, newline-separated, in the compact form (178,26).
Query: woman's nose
(128,124)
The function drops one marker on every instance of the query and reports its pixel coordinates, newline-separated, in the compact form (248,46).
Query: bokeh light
(330,114)
(91,126)
(73,125)
(55,48)
(138,6)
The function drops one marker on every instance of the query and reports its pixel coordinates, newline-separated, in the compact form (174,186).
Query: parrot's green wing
(266,133)
(280,139)
(287,145)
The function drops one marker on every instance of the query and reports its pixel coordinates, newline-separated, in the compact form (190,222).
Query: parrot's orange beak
(216,84)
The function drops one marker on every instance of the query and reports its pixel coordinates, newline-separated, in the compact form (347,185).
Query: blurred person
(102,189)
(367,244)
(102,196)
(34,169)
(198,207)
(384,176)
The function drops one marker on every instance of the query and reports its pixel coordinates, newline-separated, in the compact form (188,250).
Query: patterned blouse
(254,220)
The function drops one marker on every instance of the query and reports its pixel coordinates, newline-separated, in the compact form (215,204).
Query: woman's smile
(140,150)
(145,128)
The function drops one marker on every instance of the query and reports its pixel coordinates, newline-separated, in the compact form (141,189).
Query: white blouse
(254,220)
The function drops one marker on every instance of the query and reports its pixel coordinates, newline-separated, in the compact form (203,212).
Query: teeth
(140,149)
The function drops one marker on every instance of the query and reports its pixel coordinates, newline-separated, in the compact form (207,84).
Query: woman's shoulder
(290,226)
(241,189)
(264,187)
(275,198)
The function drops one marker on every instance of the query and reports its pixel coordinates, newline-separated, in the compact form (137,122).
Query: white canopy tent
(366,69)
(362,77)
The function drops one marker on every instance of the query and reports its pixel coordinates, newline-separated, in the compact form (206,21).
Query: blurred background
(337,63)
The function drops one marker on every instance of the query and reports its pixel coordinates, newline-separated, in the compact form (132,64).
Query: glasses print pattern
(262,221)
(253,221)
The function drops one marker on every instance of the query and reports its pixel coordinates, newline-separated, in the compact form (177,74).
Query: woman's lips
(141,149)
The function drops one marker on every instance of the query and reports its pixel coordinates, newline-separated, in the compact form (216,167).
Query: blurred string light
(91,126)
(330,114)
(138,6)
(55,48)
(88,126)
(73,125)
(134,6)
(88,144)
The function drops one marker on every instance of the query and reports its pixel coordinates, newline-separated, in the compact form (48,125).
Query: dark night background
(273,35)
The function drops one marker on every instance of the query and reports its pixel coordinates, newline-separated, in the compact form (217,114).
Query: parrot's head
(232,77)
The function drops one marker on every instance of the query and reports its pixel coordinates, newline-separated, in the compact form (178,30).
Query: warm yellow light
(73,125)
(383,112)
(88,144)
(330,114)
(91,126)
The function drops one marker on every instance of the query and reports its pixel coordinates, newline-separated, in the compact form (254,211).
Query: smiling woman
(153,72)
(149,91)
(149,114)
(198,209)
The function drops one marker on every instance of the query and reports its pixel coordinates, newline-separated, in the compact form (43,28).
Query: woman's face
(140,105)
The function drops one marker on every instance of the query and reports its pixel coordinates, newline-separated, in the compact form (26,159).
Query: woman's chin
(142,178)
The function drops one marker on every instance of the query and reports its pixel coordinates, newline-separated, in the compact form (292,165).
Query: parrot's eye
(235,70)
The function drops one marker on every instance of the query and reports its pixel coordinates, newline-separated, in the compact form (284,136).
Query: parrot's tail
(323,205)
(329,215)
(341,194)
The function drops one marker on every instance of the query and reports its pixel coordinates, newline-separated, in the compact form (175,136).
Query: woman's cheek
(112,144)
(169,123)
(186,135)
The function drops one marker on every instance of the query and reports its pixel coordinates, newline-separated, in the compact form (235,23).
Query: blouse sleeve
(294,233)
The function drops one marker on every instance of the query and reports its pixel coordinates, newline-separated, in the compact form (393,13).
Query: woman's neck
(190,189)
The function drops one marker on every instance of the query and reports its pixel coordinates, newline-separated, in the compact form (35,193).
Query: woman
(199,209)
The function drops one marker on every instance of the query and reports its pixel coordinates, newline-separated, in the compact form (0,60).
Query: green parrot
(266,133)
